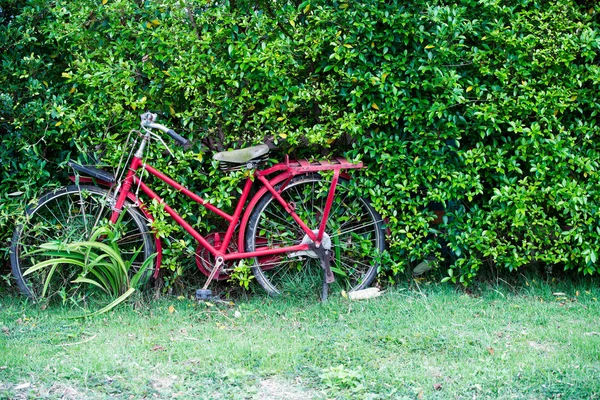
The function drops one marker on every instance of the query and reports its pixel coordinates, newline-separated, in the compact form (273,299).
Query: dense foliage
(486,109)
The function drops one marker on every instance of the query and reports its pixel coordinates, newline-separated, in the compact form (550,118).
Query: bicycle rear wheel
(65,216)
(354,227)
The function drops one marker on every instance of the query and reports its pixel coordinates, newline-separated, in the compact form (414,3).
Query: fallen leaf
(171,309)
(158,348)
(491,351)
(437,386)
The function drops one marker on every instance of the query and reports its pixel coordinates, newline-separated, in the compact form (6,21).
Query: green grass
(429,342)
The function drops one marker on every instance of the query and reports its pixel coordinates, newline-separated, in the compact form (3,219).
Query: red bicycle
(302,226)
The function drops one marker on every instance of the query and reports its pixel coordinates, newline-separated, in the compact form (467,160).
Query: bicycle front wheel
(66,216)
(354,230)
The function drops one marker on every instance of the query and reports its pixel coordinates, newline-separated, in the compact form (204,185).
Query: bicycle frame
(284,172)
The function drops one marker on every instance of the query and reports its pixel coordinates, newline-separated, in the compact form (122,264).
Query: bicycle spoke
(291,226)
(352,260)
(353,229)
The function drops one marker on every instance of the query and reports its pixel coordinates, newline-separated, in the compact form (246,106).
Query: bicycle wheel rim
(352,223)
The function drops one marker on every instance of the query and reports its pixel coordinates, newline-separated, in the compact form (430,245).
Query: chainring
(206,261)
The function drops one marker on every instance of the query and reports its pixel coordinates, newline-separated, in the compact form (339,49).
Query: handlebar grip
(179,139)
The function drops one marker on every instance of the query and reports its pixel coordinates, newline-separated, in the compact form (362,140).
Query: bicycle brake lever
(154,135)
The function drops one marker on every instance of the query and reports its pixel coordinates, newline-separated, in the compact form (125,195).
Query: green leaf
(112,305)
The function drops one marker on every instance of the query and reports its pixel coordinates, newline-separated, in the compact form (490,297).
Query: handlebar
(148,122)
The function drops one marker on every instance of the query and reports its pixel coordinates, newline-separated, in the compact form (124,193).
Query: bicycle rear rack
(303,166)
(322,165)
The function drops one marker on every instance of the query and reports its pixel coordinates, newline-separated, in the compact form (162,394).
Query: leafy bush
(485,108)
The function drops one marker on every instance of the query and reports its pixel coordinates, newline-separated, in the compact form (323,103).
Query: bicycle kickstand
(325,257)
(205,293)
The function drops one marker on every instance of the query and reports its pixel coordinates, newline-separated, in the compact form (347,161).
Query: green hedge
(485,108)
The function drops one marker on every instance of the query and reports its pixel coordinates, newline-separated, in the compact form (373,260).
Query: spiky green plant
(100,263)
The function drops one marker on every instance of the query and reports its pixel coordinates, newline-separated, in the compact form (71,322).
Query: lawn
(538,340)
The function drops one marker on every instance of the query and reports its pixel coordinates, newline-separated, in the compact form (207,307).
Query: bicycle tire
(67,215)
(352,222)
